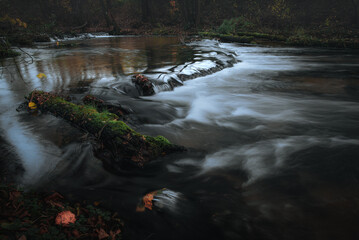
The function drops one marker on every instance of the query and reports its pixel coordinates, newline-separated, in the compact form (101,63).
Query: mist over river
(272,136)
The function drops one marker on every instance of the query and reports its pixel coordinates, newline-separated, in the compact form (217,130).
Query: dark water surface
(273,141)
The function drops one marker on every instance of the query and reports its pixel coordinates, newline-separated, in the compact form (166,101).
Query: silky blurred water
(272,136)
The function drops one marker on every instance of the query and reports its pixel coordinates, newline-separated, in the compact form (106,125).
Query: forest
(303,22)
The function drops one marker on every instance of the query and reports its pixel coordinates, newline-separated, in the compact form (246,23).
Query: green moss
(159,144)
(116,135)
(209,34)
(33,214)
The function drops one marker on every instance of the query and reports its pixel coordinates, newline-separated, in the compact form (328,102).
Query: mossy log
(125,144)
(102,106)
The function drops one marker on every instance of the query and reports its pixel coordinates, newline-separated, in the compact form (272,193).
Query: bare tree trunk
(355,4)
(103,6)
(110,20)
(190,10)
(146,11)
(198,13)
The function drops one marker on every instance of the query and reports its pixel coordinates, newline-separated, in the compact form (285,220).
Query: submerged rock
(161,200)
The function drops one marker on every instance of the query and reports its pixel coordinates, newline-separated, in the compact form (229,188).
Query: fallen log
(125,144)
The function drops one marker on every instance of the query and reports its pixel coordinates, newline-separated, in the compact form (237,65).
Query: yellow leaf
(32,105)
(41,75)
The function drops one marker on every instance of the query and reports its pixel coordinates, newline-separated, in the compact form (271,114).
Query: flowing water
(272,136)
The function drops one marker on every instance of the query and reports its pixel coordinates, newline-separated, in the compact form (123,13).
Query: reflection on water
(273,141)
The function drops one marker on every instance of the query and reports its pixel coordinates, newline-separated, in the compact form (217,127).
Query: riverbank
(292,40)
(7,48)
(43,216)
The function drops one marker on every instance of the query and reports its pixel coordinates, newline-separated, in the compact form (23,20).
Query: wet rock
(143,85)
(163,200)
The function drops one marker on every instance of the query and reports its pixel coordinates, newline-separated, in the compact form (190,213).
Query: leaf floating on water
(41,75)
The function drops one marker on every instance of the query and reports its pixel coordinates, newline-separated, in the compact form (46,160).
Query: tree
(106,6)
(355,4)
(190,10)
(146,11)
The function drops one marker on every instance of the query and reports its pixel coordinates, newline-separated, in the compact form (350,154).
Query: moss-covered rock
(117,137)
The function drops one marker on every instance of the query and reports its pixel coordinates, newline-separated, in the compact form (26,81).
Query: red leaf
(114,234)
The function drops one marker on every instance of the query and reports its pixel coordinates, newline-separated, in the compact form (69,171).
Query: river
(272,135)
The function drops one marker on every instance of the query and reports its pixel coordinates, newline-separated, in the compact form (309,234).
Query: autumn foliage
(50,217)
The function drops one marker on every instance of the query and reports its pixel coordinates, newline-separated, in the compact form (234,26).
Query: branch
(32,59)
(79,27)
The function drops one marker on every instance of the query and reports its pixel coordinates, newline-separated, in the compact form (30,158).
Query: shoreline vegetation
(298,38)
(29,215)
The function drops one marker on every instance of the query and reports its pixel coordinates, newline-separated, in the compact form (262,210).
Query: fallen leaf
(102,234)
(147,200)
(23,237)
(14,195)
(32,105)
(114,234)
(41,75)
(54,196)
(65,218)
(76,233)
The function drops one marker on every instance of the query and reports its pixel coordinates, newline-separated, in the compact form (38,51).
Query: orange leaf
(65,218)
(147,200)
(102,234)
